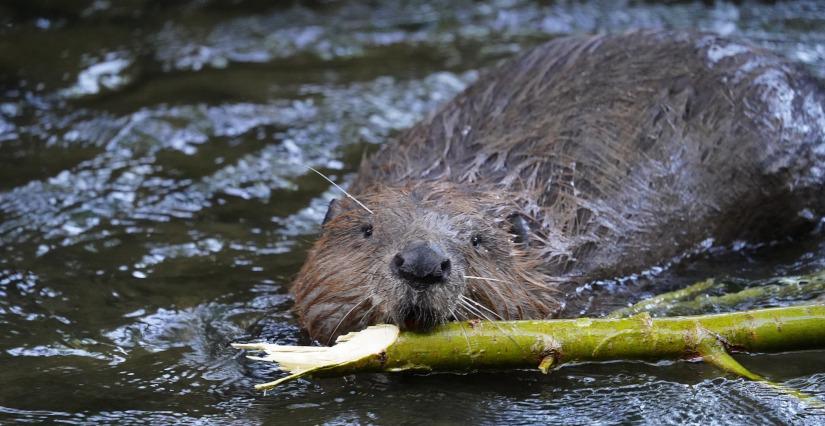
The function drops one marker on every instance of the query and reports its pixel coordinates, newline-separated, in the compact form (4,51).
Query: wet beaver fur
(584,158)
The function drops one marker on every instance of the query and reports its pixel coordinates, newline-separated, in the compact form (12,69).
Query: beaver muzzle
(421,265)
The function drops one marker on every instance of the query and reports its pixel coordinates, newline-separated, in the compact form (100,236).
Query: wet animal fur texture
(619,152)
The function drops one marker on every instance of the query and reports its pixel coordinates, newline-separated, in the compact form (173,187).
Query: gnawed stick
(550,343)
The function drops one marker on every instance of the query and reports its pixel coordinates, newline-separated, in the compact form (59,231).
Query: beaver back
(626,150)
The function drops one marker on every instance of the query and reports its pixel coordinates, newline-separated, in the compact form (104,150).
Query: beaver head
(421,255)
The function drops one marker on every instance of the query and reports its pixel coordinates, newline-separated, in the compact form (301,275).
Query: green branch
(546,344)
(696,300)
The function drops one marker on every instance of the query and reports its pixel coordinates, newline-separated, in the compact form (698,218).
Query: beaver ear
(333,209)
(520,228)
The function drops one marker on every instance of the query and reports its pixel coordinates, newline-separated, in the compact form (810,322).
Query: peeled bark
(545,344)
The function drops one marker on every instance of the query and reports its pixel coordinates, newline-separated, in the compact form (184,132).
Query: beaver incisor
(584,158)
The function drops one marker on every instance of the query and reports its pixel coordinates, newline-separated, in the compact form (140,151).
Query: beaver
(585,158)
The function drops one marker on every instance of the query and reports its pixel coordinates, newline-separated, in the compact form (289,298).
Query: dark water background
(153,207)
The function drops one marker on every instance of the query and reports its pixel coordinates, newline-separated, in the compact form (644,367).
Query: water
(153,207)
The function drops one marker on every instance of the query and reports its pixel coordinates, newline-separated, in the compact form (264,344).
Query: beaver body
(585,158)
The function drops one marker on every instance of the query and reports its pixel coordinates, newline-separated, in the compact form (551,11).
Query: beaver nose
(421,264)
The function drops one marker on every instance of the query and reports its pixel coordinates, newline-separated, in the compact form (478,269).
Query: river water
(154,205)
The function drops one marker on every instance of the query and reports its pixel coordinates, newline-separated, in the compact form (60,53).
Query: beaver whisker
(453,313)
(481,306)
(481,314)
(475,311)
(346,315)
(483,291)
(482,278)
(467,315)
(366,314)
(341,189)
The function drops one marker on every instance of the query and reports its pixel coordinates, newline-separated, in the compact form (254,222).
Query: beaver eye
(366,230)
(475,240)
